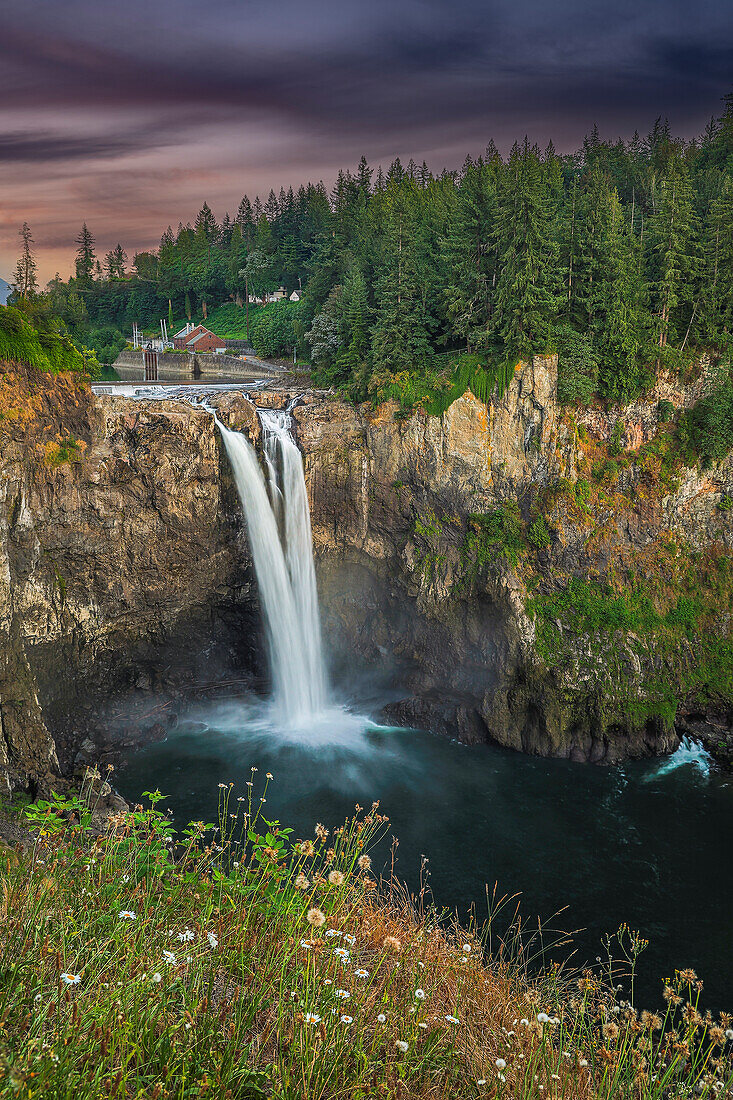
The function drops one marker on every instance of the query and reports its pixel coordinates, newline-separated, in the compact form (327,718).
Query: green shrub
(41,348)
(497,532)
(538,534)
(665,411)
(578,363)
(708,426)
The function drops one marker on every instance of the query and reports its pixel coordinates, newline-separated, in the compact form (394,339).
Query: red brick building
(198,338)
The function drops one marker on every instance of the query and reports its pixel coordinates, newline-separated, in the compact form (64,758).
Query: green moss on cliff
(653,637)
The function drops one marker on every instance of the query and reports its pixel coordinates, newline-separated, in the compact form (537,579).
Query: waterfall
(278,523)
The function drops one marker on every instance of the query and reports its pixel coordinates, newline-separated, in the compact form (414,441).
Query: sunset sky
(130,114)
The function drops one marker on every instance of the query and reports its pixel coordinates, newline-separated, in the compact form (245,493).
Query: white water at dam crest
(278,523)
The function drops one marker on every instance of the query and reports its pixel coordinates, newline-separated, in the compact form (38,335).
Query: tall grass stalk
(234,960)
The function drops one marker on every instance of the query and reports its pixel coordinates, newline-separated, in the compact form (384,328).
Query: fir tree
(25,281)
(85,256)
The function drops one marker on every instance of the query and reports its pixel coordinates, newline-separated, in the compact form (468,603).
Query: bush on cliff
(42,348)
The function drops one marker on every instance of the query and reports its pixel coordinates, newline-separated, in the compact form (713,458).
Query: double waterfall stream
(278,521)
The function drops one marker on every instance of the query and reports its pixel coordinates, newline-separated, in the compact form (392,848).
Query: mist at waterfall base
(645,844)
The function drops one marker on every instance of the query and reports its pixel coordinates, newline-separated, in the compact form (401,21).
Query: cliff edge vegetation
(238,961)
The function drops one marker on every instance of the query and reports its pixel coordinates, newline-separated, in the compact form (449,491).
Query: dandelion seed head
(402,1045)
(316,917)
(420,994)
(336,878)
(381,1018)
(500,1063)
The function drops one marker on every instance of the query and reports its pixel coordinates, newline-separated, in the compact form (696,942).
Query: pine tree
(400,335)
(468,253)
(25,281)
(85,256)
(718,284)
(526,293)
(673,258)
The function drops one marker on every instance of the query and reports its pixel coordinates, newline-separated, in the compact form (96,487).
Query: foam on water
(690,754)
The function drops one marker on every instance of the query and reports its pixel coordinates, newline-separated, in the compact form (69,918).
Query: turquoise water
(647,843)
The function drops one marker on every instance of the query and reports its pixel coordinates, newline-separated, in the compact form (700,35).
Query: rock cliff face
(407,574)
(559,583)
(122,561)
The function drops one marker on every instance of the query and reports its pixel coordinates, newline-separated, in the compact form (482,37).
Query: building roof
(184,332)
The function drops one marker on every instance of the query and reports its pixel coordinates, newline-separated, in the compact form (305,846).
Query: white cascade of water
(280,536)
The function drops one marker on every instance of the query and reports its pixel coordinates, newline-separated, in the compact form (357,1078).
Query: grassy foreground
(237,961)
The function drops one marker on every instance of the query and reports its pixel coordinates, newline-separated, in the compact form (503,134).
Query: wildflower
(467,948)
(402,1045)
(420,994)
(423,1026)
(222,786)
(213,941)
(269,775)
(347,1019)
(583,1062)
(336,878)
(187,936)
(301,882)
(305,848)
(610,1031)
(327,981)
(351,940)
(482,1081)
(334,932)
(316,917)
(342,953)
(321,832)
(500,1063)
(729,1033)
(453,1019)
(312,1018)
(306,944)
(169,957)
(361,973)
(543,1018)
(342,993)
(364,862)
(157,977)
(688,976)
(126,914)
(71,979)
(381,1018)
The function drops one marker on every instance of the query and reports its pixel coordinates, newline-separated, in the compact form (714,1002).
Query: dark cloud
(167,102)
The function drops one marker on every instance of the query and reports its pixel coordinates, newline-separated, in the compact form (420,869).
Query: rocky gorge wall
(123,563)
(555,581)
